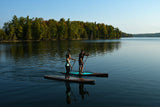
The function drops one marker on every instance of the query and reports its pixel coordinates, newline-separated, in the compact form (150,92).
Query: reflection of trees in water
(24,60)
(59,48)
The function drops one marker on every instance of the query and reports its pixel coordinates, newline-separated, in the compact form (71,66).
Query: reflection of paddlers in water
(68,93)
(81,63)
(68,64)
(82,92)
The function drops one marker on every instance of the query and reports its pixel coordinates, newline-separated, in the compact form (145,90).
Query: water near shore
(132,64)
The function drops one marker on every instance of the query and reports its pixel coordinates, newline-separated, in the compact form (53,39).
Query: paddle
(85,60)
(85,63)
(73,65)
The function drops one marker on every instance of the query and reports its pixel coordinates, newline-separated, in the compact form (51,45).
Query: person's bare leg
(82,69)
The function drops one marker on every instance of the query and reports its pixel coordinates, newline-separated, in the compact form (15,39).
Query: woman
(68,64)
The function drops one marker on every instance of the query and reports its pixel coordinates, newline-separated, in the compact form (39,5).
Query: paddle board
(70,79)
(87,74)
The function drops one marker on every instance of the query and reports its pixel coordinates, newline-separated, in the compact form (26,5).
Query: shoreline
(7,41)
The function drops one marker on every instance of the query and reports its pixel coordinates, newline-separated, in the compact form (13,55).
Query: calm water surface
(133,65)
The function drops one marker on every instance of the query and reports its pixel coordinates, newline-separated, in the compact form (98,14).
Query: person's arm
(87,54)
(73,59)
(69,62)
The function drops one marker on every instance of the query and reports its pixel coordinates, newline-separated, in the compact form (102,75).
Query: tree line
(25,28)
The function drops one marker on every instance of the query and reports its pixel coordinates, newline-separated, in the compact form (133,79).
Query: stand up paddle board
(70,79)
(87,74)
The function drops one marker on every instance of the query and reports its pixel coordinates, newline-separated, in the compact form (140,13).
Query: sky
(130,16)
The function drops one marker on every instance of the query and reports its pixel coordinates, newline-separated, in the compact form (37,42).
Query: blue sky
(131,16)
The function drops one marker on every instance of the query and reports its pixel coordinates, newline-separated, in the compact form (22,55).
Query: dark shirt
(81,56)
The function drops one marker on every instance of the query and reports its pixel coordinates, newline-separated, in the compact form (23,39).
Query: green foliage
(2,34)
(36,29)
(27,29)
(127,35)
(52,29)
(24,28)
(61,29)
(103,31)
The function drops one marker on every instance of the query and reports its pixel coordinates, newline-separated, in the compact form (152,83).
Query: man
(81,63)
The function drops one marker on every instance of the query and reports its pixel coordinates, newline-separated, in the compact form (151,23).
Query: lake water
(133,65)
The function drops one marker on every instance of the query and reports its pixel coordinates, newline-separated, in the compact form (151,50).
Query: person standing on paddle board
(81,63)
(68,64)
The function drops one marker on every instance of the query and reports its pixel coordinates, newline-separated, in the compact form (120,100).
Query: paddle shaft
(73,65)
(85,63)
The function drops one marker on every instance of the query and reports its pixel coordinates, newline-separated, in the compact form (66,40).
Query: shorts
(80,65)
(67,69)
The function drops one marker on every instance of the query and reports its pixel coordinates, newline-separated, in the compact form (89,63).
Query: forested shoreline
(25,28)
(147,35)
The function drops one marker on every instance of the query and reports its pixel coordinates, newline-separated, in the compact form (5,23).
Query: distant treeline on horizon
(147,35)
(25,28)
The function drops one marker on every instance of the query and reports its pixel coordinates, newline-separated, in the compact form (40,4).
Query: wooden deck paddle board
(70,79)
(87,74)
